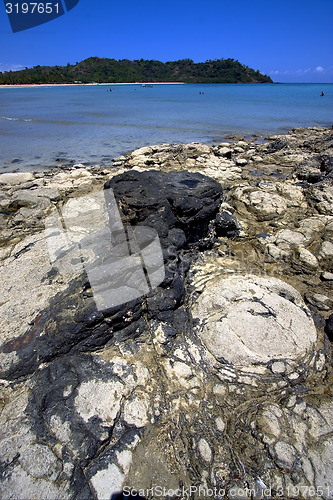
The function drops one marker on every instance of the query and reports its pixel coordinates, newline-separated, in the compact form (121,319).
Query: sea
(42,127)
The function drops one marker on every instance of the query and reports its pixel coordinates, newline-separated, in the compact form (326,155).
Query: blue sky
(290,40)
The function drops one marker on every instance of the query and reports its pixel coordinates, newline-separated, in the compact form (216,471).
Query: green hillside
(95,69)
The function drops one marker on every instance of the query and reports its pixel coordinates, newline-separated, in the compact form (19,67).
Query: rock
(322,197)
(225,152)
(277,144)
(219,376)
(253,320)
(326,276)
(294,193)
(278,367)
(180,206)
(310,171)
(234,137)
(307,258)
(327,164)
(196,149)
(243,144)
(315,169)
(185,200)
(145,151)
(226,224)
(329,327)
(205,450)
(16,178)
(265,205)
(326,251)
(320,301)
(286,238)
(30,199)
(257,158)
(286,454)
(312,226)
(241,162)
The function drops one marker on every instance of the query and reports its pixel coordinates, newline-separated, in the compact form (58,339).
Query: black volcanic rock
(329,327)
(187,201)
(181,207)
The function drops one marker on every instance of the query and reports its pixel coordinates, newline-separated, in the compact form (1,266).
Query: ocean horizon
(46,126)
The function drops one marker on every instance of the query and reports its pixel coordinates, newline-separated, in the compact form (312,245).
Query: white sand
(28,85)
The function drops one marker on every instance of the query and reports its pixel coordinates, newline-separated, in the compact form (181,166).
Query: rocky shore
(217,381)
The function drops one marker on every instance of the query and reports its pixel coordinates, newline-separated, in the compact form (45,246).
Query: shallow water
(45,126)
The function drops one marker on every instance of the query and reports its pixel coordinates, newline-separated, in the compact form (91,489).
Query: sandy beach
(32,85)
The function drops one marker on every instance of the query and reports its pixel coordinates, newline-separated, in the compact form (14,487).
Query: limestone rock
(241,162)
(265,205)
(307,258)
(13,179)
(323,199)
(326,251)
(327,276)
(253,320)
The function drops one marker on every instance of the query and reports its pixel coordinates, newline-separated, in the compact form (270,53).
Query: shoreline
(48,166)
(235,334)
(36,85)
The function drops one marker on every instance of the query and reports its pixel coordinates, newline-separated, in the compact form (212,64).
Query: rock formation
(217,382)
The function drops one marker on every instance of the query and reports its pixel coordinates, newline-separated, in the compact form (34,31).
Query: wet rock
(277,145)
(327,164)
(310,170)
(180,206)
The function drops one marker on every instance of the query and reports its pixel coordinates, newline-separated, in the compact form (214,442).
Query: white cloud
(303,71)
(300,71)
(278,72)
(10,67)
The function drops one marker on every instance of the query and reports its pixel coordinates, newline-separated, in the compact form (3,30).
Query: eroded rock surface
(254,320)
(220,377)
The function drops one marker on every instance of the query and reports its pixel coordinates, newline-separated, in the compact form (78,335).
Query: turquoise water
(44,126)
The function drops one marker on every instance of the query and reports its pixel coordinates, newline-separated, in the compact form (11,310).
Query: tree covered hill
(95,69)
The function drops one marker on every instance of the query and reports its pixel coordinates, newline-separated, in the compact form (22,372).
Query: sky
(289,40)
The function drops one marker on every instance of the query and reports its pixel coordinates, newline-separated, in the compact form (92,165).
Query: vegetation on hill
(95,69)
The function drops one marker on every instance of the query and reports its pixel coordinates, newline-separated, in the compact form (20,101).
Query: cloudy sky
(290,40)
